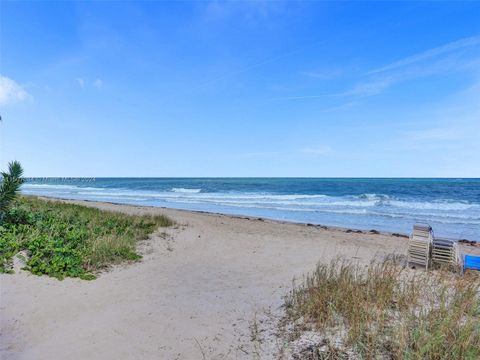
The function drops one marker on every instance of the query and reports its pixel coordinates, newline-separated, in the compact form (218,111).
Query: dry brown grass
(385,311)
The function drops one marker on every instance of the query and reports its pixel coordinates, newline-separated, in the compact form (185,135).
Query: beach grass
(385,311)
(61,239)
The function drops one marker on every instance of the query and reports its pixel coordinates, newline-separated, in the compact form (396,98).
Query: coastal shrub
(8,248)
(385,311)
(70,240)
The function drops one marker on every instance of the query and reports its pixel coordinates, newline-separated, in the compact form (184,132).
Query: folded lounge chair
(445,252)
(420,245)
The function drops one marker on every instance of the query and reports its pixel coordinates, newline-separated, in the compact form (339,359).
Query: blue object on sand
(471,262)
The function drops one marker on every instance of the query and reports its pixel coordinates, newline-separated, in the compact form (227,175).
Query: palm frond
(10,185)
(15,170)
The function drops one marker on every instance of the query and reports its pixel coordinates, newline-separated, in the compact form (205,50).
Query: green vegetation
(384,311)
(70,240)
(9,186)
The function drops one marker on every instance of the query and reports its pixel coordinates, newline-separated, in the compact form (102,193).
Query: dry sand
(196,294)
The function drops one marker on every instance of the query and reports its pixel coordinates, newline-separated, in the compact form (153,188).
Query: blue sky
(241,88)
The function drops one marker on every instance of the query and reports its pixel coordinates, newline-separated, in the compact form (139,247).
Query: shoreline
(249,217)
(233,216)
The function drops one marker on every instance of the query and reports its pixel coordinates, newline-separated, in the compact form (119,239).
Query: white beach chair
(445,252)
(419,246)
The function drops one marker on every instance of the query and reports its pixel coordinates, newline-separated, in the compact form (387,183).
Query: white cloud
(11,92)
(98,83)
(81,82)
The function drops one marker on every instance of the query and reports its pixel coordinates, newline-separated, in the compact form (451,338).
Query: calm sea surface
(451,206)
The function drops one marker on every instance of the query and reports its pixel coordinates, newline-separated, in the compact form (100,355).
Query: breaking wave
(186,191)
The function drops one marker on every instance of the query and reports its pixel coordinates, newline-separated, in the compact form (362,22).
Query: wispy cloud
(448,58)
(435,134)
(444,138)
(250,11)
(324,74)
(260,63)
(301,97)
(263,154)
(450,126)
(370,88)
(428,54)
(340,107)
(312,151)
(439,60)
(320,150)
(11,92)
(81,82)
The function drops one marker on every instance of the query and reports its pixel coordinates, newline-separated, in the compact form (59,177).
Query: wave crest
(186,190)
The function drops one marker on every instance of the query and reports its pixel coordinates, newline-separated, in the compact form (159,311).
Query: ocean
(451,206)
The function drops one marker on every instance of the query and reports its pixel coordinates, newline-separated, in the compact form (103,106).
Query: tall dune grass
(385,311)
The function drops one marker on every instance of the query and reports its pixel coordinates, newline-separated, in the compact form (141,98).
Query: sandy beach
(284,180)
(210,287)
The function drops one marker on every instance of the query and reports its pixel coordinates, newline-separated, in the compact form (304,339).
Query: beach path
(196,294)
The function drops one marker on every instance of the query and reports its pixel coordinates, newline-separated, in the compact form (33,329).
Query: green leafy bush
(70,240)
(8,248)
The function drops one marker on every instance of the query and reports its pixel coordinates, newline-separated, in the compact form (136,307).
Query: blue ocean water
(451,206)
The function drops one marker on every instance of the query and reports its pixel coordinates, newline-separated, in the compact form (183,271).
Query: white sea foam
(374,196)
(445,205)
(186,191)
(49,186)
